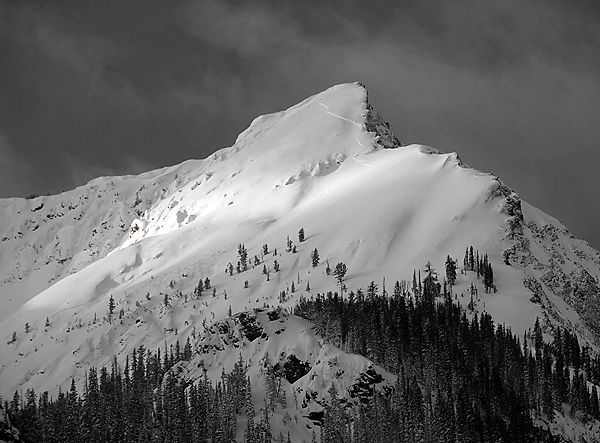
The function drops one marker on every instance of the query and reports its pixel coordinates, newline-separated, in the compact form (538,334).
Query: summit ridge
(330,166)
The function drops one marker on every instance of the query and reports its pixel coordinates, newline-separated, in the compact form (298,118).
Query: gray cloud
(88,57)
(15,171)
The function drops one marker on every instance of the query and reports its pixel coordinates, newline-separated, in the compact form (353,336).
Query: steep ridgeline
(91,274)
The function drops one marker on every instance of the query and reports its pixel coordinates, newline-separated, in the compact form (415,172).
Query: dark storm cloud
(512,86)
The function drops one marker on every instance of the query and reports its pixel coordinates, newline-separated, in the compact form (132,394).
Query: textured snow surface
(383,212)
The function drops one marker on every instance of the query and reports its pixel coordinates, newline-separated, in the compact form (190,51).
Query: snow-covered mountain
(329,165)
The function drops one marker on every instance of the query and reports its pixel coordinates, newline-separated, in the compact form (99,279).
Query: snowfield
(147,240)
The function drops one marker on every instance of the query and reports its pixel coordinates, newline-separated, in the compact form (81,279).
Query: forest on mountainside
(459,378)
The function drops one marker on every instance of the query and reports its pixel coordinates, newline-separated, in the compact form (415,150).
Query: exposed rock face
(512,208)
(498,190)
(250,328)
(553,261)
(293,368)
(376,124)
(363,387)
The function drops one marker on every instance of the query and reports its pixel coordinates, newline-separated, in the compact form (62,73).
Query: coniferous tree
(415,286)
(243,257)
(471,259)
(340,272)
(199,288)
(111,305)
(372,292)
(450,271)
(187,350)
(301,235)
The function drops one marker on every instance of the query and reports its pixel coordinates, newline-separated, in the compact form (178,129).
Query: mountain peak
(339,120)
(117,263)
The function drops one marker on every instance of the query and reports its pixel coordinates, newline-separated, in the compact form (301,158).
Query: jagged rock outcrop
(376,124)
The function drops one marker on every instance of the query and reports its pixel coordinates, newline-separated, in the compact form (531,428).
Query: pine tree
(270,383)
(471,259)
(301,235)
(265,249)
(243,254)
(207,283)
(187,350)
(339,273)
(415,286)
(198,289)
(372,291)
(275,265)
(488,274)
(450,271)
(314,257)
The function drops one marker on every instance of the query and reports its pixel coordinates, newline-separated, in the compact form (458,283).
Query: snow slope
(322,165)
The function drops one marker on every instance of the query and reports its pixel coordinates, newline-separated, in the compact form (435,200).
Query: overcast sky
(91,88)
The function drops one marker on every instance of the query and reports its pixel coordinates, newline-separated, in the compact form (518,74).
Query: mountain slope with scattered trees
(318,199)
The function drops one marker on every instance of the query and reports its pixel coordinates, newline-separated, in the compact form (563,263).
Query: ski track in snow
(339,116)
(361,161)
